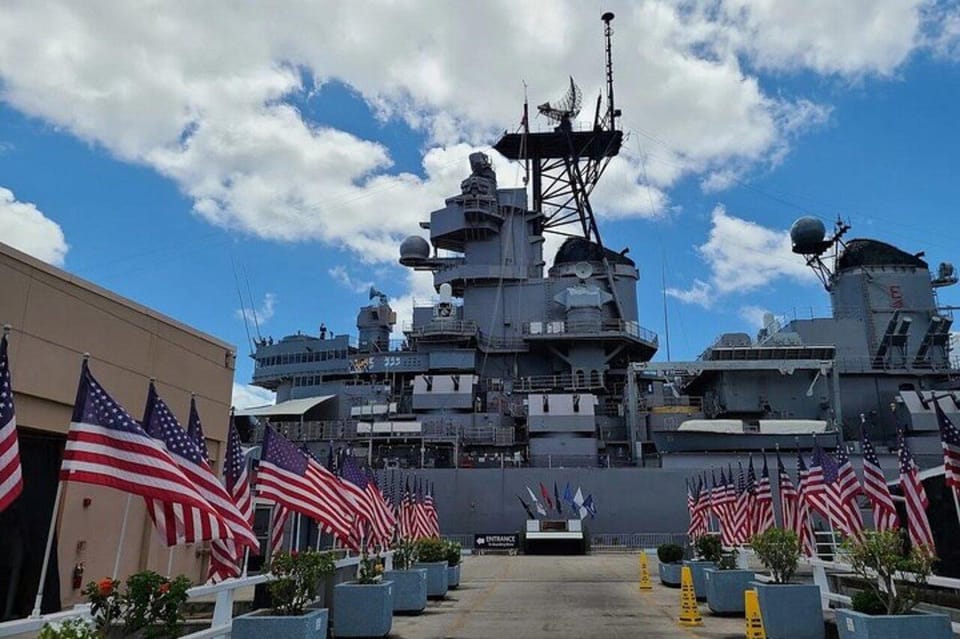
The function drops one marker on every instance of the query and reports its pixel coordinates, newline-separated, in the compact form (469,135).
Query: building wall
(55,317)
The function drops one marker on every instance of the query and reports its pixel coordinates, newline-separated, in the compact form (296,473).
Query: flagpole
(956,502)
(170,561)
(46,553)
(246,559)
(123,533)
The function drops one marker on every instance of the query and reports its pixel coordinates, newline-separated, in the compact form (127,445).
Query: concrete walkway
(541,596)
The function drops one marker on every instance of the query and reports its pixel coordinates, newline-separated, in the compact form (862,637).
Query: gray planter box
(409,589)
(790,611)
(697,566)
(259,624)
(670,574)
(453,577)
(857,625)
(436,578)
(725,589)
(362,610)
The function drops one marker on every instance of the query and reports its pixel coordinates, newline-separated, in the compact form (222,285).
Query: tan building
(55,318)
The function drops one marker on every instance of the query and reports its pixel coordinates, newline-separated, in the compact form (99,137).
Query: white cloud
(742,256)
(260,315)
(755,315)
(248,395)
(24,227)
(341,275)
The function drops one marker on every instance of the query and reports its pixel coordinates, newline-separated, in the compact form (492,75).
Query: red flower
(105,587)
(164,589)
(294,553)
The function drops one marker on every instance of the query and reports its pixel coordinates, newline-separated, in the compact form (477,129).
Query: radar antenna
(565,164)
(808,238)
(566,108)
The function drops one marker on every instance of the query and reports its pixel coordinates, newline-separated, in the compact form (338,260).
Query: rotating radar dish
(583,270)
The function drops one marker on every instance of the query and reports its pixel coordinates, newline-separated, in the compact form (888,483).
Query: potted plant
(708,549)
(884,608)
(432,555)
(409,583)
(69,629)
(725,585)
(364,608)
(149,606)
(454,554)
(297,577)
(669,558)
(790,611)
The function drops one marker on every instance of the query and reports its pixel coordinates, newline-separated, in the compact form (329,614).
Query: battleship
(521,372)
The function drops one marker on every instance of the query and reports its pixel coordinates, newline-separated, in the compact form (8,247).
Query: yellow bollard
(645,583)
(754,619)
(689,613)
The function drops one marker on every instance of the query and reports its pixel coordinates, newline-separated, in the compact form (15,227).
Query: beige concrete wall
(56,317)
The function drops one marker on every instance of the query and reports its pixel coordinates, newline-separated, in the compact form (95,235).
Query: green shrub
(669,553)
(69,629)
(728,560)
(779,551)
(430,550)
(371,570)
(297,582)
(878,557)
(867,602)
(709,548)
(151,605)
(404,555)
(454,552)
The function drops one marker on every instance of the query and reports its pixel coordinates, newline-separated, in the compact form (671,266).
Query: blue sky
(298,157)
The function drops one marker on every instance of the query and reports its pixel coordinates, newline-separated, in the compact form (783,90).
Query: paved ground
(542,596)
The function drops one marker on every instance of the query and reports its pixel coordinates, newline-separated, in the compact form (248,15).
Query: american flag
(421,524)
(357,490)
(11,476)
(189,525)
(432,519)
(724,504)
(195,429)
(278,521)
(950,439)
(916,498)
(225,557)
(703,505)
(814,489)
(788,497)
(107,447)
(802,524)
(297,481)
(695,528)
(830,471)
(849,490)
(875,487)
(741,509)
(763,509)
(383,508)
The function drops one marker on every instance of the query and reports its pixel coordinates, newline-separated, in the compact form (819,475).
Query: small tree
(669,553)
(879,557)
(779,551)
(404,555)
(431,550)
(297,582)
(709,548)
(454,552)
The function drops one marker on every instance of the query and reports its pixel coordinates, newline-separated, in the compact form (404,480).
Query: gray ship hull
(699,442)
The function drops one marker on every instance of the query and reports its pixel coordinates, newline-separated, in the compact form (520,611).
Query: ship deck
(558,596)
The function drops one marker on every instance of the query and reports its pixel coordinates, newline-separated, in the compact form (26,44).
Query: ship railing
(441,326)
(573,461)
(630,328)
(224,595)
(310,430)
(564,381)
(492,342)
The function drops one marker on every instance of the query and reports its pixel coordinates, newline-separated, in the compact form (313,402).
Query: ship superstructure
(517,362)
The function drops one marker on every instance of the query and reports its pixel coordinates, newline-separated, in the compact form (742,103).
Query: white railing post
(821,580)
(223,609)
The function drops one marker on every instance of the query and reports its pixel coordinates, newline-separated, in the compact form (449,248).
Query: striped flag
(421,522)
(815,486)
(802,525)
(788,497)
(297,481)
(830,471)
(849,490)
(278,521)
(916,498)
(432,519)
(383,510)
(693,528)
(763,512)
(741,509)
(356,489)
(875,487)
(107,447)
(226,558)
(950,439)
(724,503)
(11,475)
(192,525)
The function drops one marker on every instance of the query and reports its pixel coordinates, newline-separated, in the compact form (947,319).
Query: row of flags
(827,487)
(343,498)
(578,505)
(169,467)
